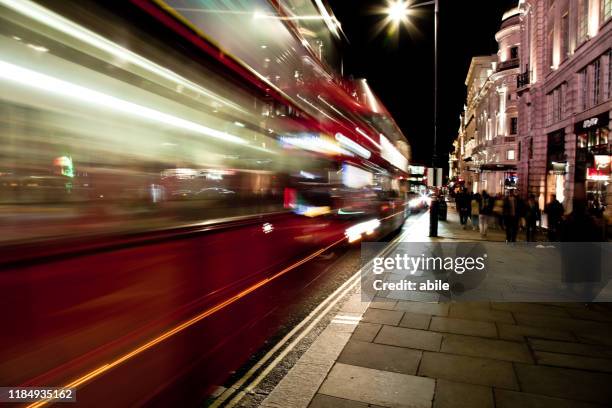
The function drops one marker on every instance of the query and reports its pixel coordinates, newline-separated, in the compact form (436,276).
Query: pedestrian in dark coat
(532,216)
(554,212)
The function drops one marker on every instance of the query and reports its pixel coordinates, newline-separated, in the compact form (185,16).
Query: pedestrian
(486,207)
(498,211)
(463,204)
(532,216)
(475,210)
(580,226)
(554,213)
(511,216)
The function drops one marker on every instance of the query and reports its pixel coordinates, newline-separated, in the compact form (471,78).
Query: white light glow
(364,134)
(392,155)
(48,18)
(56,86)
(352,146)
(397,11)
(354,177)
(355,232)
(315,144)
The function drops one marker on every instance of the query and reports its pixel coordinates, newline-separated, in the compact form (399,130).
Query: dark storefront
(556,165)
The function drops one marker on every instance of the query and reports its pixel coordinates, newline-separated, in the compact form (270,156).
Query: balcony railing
(523,79)
(508,64)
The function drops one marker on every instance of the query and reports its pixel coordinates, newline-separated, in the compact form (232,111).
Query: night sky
(400,70)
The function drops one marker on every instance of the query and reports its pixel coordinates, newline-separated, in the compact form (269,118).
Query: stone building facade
(486,152)
(564,100)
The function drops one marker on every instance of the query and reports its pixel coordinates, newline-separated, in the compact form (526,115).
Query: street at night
(306,203)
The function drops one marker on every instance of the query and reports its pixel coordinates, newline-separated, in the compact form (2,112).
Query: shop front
(556,166)
(593,161)
(498,178)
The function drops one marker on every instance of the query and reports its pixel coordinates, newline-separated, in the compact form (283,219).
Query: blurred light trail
(65,26)
(364,134)
(106,367)
(47,83)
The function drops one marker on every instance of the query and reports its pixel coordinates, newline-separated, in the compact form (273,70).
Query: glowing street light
(397,11)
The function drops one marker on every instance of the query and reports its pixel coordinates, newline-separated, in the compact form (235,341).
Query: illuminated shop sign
(416,169)
(601,170)
(598,121)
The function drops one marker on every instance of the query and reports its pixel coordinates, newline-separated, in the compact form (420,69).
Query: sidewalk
(396,353)
(451,230)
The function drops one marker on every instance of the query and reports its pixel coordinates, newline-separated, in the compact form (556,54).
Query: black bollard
(433,217)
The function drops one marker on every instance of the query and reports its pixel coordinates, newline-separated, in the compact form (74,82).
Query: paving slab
(463,311)
(366,331)
(436,309)
(463,326)
(518,332)
(601,337)
(383,303)
(378,387)
(487,348)
(326,348)
(412,338)
(533,308)
(588,314)
(562,323)
(381,357)
(354,304)
(326,401)
(513,399)
(391,317)
(415,321)
(565,383)
(298,388)
(567,347)
(573,361)
(450,394)
(472,370)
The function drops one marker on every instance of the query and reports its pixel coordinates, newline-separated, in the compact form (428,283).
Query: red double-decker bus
(159,164)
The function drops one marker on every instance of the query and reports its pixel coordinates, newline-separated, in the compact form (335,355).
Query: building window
(519,150)
(606,9)
(583,18)
(550,108)
(513,126)
(584,88)
(595,94)
(562,95)
(550,48)
(510,155)
(514,52)
(565,36)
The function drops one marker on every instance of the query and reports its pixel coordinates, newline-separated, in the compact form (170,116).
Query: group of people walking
(509,213)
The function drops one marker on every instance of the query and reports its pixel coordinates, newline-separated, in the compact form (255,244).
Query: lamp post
(397,12)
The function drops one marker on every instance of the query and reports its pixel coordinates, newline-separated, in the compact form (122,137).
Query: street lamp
(397,11)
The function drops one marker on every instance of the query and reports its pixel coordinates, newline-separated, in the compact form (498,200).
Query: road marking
(78,382)
(106,367)
(317,314)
